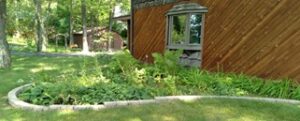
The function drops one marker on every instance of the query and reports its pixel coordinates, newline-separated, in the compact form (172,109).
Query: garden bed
(122,78)
(14,101)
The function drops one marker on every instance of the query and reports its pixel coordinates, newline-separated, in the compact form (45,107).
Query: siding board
(255,37)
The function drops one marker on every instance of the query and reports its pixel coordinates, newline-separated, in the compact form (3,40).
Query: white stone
(110,104)
(134,102)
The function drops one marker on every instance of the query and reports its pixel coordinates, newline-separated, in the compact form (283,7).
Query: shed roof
(123,18)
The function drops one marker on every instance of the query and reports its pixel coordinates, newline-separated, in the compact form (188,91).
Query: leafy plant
(124,78)
(168,62)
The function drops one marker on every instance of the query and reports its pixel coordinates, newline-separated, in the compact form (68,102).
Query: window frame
(189,49)
(187,45)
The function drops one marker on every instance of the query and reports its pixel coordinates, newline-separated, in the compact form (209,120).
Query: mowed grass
(25,68)
(51,48)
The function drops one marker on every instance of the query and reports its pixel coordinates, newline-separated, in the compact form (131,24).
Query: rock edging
(15,102)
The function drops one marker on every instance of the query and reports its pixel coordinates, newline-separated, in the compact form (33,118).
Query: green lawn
(25,69)
(51,48)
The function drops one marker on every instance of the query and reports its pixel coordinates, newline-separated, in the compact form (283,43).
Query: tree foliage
(55,14)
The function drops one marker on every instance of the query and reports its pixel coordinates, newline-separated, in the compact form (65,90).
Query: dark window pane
(195,28)
(178,29)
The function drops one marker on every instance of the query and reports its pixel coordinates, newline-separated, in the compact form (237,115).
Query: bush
(168,62)
(122,77)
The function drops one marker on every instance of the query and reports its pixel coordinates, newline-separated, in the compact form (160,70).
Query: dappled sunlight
(226,80)
(17,43)
(21,59)
(164,117)
(18,68)
(43,68)
(135,119)
(91,81)
(65,112)
(212,111)
(251,115)
(244,118)
(17,119)
(168,118)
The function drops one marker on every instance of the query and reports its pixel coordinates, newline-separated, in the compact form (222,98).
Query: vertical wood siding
(256,37)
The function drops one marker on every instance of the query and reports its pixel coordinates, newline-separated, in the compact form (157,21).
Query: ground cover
(121,77)
(28,69)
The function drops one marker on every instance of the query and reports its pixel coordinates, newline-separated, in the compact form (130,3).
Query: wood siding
(256,37)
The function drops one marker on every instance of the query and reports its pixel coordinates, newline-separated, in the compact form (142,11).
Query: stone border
(15,102)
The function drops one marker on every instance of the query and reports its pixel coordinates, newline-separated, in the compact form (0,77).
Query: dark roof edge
(138,4)
(122,18)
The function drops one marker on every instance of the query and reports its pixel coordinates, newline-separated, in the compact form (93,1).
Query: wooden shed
(99,33)
(255,37)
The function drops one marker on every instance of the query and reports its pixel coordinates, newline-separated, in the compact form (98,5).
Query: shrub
(122,77)
(168,63)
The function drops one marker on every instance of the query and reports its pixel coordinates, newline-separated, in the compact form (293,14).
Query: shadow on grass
(203,110)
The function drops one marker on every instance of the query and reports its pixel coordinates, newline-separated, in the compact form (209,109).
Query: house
(97,39)
(254,37)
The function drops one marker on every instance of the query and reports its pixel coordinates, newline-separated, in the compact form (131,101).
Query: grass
(22,45)
(24,69)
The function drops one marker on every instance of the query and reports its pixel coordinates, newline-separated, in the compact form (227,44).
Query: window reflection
(195,28)
(179,28)
(186,29)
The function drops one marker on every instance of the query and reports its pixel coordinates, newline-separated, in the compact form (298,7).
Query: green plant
(121,77)
(168,62)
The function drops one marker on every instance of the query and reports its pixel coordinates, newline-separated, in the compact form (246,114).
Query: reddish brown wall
(117,42)
(78,39)
(149,31)
(256,37)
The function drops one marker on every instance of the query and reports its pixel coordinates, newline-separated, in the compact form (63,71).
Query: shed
(99,33)
(127,20)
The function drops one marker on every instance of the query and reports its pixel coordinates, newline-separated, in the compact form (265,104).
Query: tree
(5,60)
(111,15)
(20,14)
(40,30)
(71,23)
(85,46)
(17,33)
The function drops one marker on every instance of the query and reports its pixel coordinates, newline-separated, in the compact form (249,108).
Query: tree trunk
(56,41)
(5,60)
(17,34)
(71,24)
(40,30)
(47,30)
(85,46)
(111,15)
(66,40)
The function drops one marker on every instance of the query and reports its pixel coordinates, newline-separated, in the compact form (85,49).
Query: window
(195,28)
(185,31)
